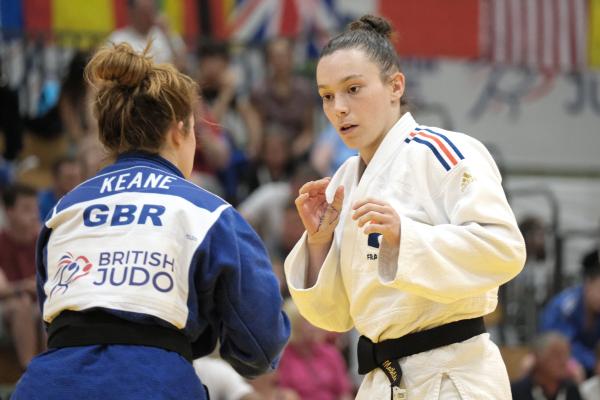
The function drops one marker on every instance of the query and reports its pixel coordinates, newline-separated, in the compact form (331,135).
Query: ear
(178,134)
(397,86)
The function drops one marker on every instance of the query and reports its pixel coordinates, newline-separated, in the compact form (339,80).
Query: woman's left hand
(379,217)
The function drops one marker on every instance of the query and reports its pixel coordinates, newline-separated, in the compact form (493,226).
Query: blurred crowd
(257,144)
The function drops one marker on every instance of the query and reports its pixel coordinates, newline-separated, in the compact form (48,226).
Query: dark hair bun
(119,64)
(372,23)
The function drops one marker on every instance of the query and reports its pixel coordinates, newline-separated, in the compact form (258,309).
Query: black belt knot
(385,354)
(373,355)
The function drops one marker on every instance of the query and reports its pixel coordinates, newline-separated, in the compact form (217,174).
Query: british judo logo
(69,270)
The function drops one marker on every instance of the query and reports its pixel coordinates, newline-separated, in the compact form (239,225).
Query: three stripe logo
(444,150)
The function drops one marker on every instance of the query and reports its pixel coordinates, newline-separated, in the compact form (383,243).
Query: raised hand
(378,217)
(319,217)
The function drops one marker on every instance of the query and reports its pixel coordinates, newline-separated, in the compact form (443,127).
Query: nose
(340,106)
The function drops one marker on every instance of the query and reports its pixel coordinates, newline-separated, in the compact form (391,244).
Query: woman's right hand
(319,217)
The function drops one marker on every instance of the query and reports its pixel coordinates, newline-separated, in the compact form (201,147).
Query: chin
(350,143)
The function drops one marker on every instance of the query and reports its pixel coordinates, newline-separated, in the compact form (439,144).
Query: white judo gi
(459,242)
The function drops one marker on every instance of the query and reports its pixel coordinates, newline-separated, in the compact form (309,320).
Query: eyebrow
(343,80)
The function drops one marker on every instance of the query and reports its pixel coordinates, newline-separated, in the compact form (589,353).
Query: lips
(345,128)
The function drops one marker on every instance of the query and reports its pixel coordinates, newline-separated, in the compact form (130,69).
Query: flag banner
(92,18)
(594,34)
(546,35)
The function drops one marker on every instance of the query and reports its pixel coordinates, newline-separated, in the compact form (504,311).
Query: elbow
(254,356)
(520,255)
(256,365)
(513,261)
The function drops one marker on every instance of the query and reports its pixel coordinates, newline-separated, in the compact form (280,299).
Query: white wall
(533,122)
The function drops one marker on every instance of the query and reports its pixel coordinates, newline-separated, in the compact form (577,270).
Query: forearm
(222,102)
(316,257)
(302,143)
(254,128)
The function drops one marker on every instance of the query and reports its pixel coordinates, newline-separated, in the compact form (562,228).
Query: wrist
(316,240)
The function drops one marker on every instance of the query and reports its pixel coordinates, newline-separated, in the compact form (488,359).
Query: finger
(338,199)
(372,217)
(375,228)
(360,203)
(301,199)
(318,186)
(365,208)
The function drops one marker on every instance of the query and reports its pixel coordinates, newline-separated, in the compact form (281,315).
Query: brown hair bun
(120,65)
(372,23)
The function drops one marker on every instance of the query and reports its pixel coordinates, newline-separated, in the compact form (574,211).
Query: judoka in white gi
(412,234)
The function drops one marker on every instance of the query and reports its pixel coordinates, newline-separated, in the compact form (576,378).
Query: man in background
(146,24)
(67,173)
(18,299)
(575,312)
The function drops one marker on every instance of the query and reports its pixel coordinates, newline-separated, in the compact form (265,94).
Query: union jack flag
(256,20)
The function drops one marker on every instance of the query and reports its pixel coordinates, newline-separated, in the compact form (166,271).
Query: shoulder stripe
(435,151)
(441,145)
(458,153)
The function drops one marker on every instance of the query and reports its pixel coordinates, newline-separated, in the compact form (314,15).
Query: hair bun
(119,64)
(373,23)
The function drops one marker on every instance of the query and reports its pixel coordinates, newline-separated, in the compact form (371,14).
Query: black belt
(85,328)
(385,354)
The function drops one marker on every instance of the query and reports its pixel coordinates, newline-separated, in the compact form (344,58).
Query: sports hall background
(520,75)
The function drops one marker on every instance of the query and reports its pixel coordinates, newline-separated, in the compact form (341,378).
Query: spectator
(275,160)
(74,104)
(575,312)
(65,109)
(285,98)
(67,172)
(265,208)
(549,377)
(227,104)
(17,270)
(590,389)
(222,381)
(145,25)
(212,151)
(534,282)
(11,125)
(310,366)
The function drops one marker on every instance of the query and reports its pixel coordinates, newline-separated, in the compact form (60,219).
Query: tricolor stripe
(444,150)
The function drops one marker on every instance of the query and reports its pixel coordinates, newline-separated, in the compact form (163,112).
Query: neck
(549,386)
(142,30)
(282,85)
(367,154)
(281,76)
(172,158)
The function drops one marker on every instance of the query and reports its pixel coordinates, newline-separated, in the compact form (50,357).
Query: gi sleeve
(238,294)
(326,304)
(479,249)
